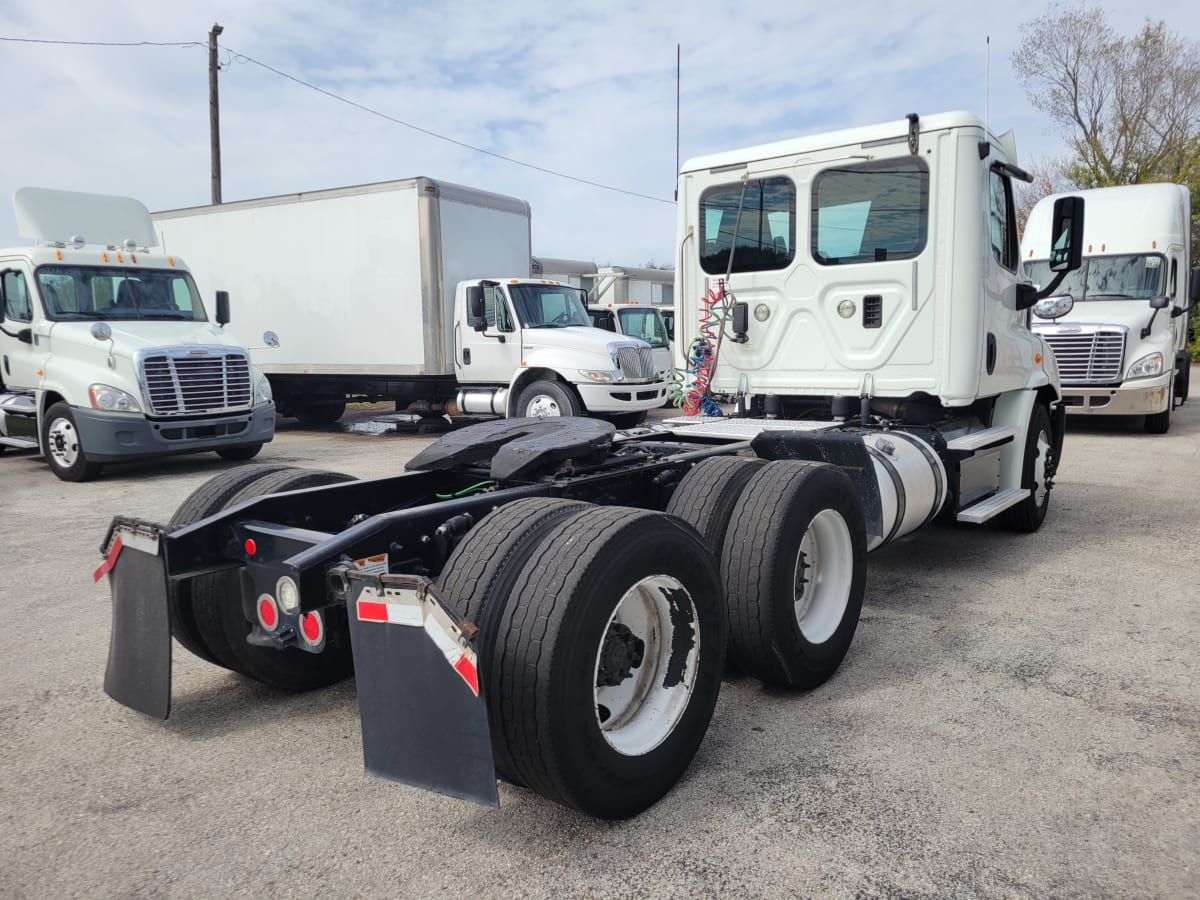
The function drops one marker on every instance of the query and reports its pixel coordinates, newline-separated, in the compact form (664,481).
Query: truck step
(990,507)
(22,443)
(978,440)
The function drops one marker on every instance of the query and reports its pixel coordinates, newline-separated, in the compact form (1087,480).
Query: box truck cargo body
(359,284)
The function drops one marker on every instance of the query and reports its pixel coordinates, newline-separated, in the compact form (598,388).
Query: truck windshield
(549,306)
(646,324)
(106,292)
(1136,276)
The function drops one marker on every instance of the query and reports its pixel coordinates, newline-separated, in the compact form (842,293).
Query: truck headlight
(111,399)
(1146,367)
(600,375)
(262,389)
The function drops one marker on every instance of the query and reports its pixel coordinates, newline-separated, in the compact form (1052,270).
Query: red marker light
(312,628)
(251,547)
(267,613)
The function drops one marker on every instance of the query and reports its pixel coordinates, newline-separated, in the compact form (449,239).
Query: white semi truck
(1120,324)
(376,294)
(552,601)
(107,353)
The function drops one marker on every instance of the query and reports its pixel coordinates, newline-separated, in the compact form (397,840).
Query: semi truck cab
(107,352)
(1119,325)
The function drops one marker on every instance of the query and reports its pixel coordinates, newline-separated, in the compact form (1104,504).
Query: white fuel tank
(912,482)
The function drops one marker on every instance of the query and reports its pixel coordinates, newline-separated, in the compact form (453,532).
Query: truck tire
(627,420)
(544,399)
(211,497)
(794,571)
(1037,473)
(222,626)
(64,448)
(243,453)
(1160,423)
(319,413)
(707,494)
(478,577)
(607,660)
(1183,378)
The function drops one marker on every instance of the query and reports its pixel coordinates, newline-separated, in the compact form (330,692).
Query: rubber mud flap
(139,652)
(424,721)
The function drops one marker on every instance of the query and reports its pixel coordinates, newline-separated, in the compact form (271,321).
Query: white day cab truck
(562,594)
(376,294)
(1120,323)
(107,353)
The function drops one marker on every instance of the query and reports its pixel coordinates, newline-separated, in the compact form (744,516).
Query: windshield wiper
(177,316)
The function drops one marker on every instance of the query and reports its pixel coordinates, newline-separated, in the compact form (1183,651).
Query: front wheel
(240,454)
(64,447)
(546,399)
(1160,423)
(1037,475)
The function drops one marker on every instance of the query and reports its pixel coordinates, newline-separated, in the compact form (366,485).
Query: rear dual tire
(208,617)
(601,657)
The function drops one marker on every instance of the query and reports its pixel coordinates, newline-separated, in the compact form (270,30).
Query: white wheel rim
(1039,468)
(543,406)
(63,443)
(824,576)
(640,712)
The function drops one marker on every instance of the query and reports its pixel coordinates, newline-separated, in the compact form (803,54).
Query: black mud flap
(139,650)
(424,722)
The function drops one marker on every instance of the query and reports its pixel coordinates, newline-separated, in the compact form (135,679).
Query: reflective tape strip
(109,561)
(391,613)
(435,623)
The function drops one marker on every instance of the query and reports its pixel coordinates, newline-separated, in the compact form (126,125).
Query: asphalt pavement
(1019,716)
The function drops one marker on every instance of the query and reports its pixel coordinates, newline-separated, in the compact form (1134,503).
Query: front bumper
(625,397)
(1136,398)
(108,437)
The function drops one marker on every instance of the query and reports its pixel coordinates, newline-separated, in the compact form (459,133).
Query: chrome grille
(635,362)
(181,384)
(1089,356)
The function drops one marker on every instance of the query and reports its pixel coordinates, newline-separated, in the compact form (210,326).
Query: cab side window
(1003,222)
(495,309)
(16,297)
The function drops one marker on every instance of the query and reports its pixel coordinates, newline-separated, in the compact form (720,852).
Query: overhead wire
(238,56)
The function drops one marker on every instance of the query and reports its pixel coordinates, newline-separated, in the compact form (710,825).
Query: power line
(237,56)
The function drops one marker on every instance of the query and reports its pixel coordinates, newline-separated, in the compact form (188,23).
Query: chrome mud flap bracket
(424,721)
(138,673)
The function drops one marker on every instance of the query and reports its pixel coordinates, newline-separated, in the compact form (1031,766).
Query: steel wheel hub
(63,443)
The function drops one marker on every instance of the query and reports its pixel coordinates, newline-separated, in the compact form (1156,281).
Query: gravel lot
(1018,716)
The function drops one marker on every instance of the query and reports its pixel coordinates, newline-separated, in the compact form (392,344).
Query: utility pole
(214,113)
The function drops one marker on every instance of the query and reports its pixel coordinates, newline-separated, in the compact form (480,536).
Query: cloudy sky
(586,89)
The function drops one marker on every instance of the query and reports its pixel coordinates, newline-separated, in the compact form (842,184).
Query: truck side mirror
(476,314)
(222,307)
(1160,302)
(1193,288)
(1066,252)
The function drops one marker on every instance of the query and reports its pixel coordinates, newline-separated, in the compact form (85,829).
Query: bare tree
(1129,108)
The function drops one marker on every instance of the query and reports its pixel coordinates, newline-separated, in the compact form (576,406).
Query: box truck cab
(1119,325)
(107,352)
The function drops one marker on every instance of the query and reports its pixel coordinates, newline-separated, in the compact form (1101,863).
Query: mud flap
(424,721)
(138,674)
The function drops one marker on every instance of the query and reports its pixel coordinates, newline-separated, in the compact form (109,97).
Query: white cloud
(587,89)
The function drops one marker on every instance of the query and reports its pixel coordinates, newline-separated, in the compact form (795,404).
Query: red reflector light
(311,627)
(267,614)
(251,547)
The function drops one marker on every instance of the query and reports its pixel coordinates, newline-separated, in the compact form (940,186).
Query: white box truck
(107,353)
(1120,323)
(371,290)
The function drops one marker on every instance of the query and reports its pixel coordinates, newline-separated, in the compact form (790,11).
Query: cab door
(493,355)
(23,350)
